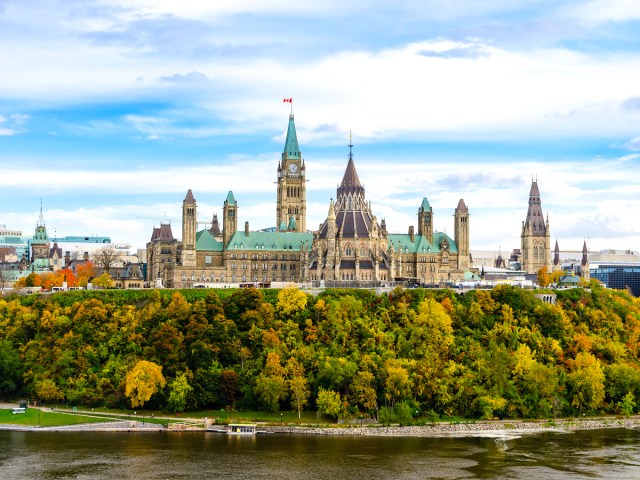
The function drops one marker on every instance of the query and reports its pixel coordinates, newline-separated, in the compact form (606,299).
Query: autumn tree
(271,383)
(49,280)
(543,277)
(587,382)
(297,385)
(290,302)
(103,281)
(107,257)
(142,381)
(85,272)
(47,390)
(68,276)
(32,280)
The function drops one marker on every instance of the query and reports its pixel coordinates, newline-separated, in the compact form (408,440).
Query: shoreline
(503,428)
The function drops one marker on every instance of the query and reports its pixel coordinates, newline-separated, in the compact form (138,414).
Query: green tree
(297,385)
(628,404)
(142,381)
(329,403)
(11,369)
(179,392)
(271,384)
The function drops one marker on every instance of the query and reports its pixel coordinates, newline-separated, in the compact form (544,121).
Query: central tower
(536,236)
(292,189)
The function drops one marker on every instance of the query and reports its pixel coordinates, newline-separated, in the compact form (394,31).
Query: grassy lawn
(287,417)
(34,417)
(86,415)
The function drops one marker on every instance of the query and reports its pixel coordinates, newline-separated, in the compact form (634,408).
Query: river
(583,454)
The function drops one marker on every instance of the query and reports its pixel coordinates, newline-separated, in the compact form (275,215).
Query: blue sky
(111,110)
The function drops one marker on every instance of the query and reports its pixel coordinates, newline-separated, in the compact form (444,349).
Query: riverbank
(479,428)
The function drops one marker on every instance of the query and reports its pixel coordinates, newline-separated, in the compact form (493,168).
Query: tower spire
(291,148)
(41,216)
(350,146)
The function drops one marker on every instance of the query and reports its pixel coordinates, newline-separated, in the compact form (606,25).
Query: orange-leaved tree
(85,272)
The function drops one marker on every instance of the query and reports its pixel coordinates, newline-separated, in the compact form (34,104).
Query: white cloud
(634,144)
(602,11)
(594,202)
(12,124)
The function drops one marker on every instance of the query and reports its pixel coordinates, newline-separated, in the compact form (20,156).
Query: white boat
(241,429)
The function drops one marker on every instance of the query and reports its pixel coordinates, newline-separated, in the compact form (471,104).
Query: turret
(189,227)
(425,220)
(229,218)
(461,234)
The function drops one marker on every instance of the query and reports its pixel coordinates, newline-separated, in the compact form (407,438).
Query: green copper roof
(291,149)
(270,241)
(40,236)
(292,223)
(425,207)
(420,244)
(230,198)
(206,241)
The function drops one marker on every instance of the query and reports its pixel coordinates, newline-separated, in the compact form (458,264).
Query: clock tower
(292,189)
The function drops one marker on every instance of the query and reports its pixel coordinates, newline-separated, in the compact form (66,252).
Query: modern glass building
(618,275)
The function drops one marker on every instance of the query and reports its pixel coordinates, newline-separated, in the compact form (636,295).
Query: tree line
(485,354)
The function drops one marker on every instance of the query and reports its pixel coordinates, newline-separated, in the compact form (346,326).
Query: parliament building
(350,248)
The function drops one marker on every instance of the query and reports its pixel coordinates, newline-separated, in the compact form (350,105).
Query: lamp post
(281,419)
(360,421)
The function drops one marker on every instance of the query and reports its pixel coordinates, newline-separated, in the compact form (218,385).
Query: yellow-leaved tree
(142,381)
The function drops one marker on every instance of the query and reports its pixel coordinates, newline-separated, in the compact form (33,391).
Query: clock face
(293,168)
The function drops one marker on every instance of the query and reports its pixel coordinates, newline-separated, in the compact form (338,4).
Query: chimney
(411,234)
(246,229)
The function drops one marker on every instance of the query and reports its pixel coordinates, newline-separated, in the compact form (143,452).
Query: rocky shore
(480,428)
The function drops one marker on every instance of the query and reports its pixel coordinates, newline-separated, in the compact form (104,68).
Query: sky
(111,110)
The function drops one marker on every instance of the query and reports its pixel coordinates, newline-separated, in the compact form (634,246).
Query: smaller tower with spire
(40,245)
(584,264)
(557,264)
(461,234)
(229,218)
(189,227)
(425,220)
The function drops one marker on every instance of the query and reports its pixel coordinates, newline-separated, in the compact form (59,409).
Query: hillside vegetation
(499,353)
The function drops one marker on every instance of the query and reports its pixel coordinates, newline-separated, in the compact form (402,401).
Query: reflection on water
(613,453)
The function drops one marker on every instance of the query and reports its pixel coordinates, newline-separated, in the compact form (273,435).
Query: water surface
(609,453)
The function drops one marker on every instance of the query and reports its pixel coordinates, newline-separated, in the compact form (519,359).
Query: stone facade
(350,245)
(535,236)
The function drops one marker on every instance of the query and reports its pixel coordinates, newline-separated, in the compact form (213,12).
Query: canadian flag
(287,100)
